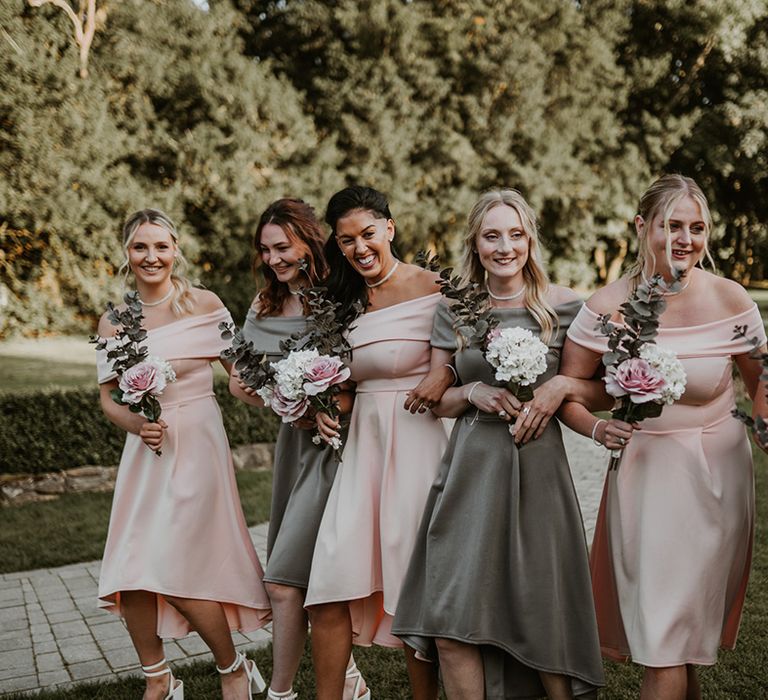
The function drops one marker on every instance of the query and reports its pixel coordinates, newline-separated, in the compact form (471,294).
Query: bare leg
(693,692)
(139,609)
(289,631)
(557,685)
(208,620)
(462,668)
(422,675)
(331,647)
(664,683)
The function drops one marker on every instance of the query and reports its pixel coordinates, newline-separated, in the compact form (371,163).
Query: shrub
(43,431)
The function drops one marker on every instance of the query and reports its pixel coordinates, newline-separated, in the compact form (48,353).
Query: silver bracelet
(455,375)
(469,395)
(594,430)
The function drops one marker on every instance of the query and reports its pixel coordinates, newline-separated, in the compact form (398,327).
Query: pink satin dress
(673,542)
(177,527)
(389,462)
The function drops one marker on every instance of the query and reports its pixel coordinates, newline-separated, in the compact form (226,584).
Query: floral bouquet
(642,376)
(141,378)
(758,425)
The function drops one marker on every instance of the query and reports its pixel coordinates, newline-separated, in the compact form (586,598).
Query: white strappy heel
(256,683)
(287,695)
(175,686)
(354,672)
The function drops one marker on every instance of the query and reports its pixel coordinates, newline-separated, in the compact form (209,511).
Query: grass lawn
(73,528)
(739,675)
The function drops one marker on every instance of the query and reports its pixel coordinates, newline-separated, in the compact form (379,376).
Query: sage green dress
(303,472)
(501,556)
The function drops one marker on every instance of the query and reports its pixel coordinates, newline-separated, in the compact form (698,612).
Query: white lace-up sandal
(285,695)
(354,672)
(256,683)
(175,686)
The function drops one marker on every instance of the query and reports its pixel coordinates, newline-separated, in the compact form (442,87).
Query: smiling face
(364,240)
(683,246)
(281,253)
(151,252)
(502,246)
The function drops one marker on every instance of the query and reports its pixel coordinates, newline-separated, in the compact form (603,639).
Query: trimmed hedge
(43,431)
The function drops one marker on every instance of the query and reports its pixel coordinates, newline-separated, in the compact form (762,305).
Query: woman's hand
(153,433)
(327,427)
(536,413)
(614,434)
(493,399)
(306,422)
(245,388)
(429,390)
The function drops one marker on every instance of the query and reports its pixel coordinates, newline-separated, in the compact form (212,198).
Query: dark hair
(298,221)
(344,284)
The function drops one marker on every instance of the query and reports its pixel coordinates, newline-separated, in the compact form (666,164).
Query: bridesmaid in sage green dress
(498,585)
(288,231)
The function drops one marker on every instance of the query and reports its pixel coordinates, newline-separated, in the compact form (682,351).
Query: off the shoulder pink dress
(389,462)
(177,527)
(673,542)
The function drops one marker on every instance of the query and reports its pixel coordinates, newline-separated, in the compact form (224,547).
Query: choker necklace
(385,278)
(159,301)
(295,292)
(666,293)
(514,296)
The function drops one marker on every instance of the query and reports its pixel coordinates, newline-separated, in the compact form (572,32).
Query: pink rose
(324,372)
(637,378)
(141,379)
(493,335)
(288,409)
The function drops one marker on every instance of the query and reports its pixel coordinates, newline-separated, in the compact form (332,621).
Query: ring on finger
(526,410)
(502,414)
(622,441)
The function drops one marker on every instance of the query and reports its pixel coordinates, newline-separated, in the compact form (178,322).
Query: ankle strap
(239,658)
(147,670)
(284,695)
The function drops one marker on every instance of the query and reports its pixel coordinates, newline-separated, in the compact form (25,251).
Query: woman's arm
(151,433)
(751,371)
(432,387)
(490,399)
(243,392)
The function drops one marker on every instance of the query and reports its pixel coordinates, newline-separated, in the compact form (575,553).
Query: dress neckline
(727,319)
(187,318)
(399,303)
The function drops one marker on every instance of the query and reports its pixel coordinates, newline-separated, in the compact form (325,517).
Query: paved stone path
(52,633)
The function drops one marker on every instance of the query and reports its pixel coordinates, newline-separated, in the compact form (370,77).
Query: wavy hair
(660,199)
(535,276)
(298,221)
(181,300)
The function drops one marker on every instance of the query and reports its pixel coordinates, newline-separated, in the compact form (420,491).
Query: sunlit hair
(182,301)
(660,200)
(298,221)
(534,275)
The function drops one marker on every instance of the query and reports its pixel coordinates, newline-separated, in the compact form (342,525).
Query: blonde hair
(182,301)
(660,199)
(534,275)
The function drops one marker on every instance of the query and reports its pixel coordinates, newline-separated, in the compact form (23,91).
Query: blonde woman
(673,542)
(498,585)
(178,556)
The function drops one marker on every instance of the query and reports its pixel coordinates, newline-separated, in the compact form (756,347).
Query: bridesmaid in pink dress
(673,542)
(178,555)
(390,456)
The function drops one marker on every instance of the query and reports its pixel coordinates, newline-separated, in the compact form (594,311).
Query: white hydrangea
(164,366)
(517,355)
(289,373)
(666,362)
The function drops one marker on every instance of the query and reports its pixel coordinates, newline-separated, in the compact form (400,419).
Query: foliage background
(212,113)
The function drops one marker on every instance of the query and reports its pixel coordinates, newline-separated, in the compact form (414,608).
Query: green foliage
(74,432)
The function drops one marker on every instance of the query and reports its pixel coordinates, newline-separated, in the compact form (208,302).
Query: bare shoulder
(561,295)
(206,301)
(732,297)
(425,281)
(608,299)
(105,328)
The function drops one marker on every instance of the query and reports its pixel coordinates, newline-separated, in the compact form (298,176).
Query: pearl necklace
(514,296)
(159,301)
(666,293)
(385,278)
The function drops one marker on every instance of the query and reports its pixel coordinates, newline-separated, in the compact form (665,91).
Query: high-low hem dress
(501,557)
(388,464)
(177,526)
(302,473)
(673,540)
